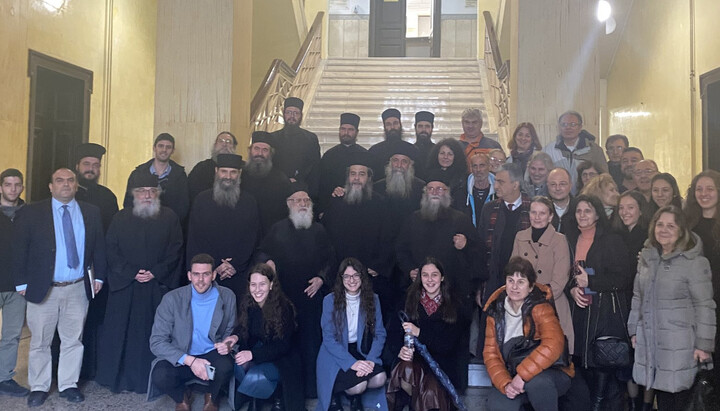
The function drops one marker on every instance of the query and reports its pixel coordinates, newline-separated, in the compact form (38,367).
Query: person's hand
(362,368)
(22,292)
(579,296)
(510,392)
(406,354)
(414,273)
(97,286)
(582,278)
(271,263)
(478,298)
(223,347)
(372,272)
(225,269)
(338,192)
(460,241)
(412,328)
(243,357)
(633,341)
(518,384)
(143,276)
(197,366)
(315,284)
(292,180)
(701,356)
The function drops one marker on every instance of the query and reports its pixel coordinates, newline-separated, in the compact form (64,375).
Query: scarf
(430,304)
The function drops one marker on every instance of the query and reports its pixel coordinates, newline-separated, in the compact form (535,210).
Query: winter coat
(673,314)
(537,309)
(585,150)
(550,258)
(334,355)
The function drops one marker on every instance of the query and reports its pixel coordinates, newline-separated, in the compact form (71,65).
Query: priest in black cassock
(297,151)
(202,176)
(144,248)
(89,161)
(333,166)
(424,125)
(225,223)
(302,254)
(357,225)
(382,151)
(265,182)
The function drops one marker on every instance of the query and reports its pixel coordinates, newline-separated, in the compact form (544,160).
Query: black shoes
(72,395)
(336,403)
(356,403)
(36,398)
(277,405)
(13,389)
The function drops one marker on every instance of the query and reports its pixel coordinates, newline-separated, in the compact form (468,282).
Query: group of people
(576,280)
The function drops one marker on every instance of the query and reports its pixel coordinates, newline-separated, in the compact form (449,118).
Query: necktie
(70,247)
(510,206)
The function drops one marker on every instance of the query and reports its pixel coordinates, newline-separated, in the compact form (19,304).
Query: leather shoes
(185,404)
(72,395)
(13,389)
(36,398)
(209,404)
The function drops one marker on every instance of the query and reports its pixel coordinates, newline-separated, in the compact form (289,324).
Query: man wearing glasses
(573,144)
(202,175)
(643,174)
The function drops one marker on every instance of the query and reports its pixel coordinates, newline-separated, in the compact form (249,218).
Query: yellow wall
(121,104)
(651,76)
(312,7)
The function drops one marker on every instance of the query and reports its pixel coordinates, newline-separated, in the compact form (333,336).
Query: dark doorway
(710,94)
(387,28)
(59,118)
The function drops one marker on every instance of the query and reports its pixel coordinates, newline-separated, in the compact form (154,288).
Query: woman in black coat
(266,362)
(447,158)
(603,278)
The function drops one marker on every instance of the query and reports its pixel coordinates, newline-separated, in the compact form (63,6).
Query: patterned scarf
(430,304)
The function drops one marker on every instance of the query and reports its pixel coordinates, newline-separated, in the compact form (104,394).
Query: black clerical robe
(382,151)
(133,243)
(201,178)
(271,193)
(101,197)
(424,149)
(297,155)
(333,172)
(225,232)
(397,208)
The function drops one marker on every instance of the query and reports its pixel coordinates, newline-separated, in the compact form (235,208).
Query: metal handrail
(498,73)
(282,80)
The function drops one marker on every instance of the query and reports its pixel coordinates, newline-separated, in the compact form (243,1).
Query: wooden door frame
(711,77)
(35,60)
(437,28)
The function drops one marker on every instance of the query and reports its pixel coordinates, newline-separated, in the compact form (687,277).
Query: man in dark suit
(57,242)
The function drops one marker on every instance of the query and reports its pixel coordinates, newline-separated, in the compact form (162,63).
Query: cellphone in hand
(210,371)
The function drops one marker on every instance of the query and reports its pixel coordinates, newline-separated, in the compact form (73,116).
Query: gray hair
(471,113)
(514,171)
(570,112)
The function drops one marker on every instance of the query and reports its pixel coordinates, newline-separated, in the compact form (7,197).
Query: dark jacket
(6,252)
(34,248)
(175,189)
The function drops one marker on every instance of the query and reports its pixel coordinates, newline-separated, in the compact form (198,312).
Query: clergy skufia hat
(350,118)
(361,158)
(230,161)
(294,102)
(89,150)
(144,180)
(438,175)
(262,137)
(391,112)
(296,186)
(404,148)
(424,116)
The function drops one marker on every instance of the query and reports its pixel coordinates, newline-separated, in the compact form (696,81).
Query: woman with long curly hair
(353,339)
(264,359)
(448,156)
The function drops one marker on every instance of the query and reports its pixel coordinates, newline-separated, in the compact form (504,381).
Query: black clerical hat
(424,116)
(294,102)
(360,158)
(404,148)
(143,180)
(391,112)
(438,175)
(350,118)
(89,150)
(230,161)
(296,186)
(262,137)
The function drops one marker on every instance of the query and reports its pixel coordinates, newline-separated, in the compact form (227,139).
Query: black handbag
(704,395)
(612,351)
(516,349)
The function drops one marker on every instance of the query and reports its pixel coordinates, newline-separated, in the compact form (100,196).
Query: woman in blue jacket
(353,340)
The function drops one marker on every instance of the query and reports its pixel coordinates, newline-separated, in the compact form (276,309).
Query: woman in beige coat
(549,254)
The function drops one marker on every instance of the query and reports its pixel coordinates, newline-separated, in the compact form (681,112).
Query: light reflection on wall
(52,6)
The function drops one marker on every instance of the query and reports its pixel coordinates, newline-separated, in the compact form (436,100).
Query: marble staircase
(368,86)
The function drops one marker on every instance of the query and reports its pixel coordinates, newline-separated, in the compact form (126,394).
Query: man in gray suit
(201,308)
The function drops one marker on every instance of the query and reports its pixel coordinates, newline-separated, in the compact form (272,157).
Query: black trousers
(171,379)
(671,401)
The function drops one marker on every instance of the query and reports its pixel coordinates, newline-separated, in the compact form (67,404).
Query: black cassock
(271,193)
(400,209)
(153,244)
(225,232)
(297,155)
(101,197)
(333,171)
(201,178)
(299,256)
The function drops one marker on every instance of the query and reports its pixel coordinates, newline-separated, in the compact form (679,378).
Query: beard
(431,209)
(222,150)
(393,134)
(301,219)
(258,166)
(423,136)
(398,183)
(145,210)
(226,191)
(355,194)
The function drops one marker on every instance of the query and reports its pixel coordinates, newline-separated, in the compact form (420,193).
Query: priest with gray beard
(225,223)
(265,182)
(144,248)
(302,254)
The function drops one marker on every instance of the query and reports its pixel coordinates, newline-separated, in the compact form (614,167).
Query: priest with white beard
(301,252)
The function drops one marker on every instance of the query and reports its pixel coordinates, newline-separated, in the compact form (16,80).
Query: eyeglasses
(435,190)
(570,124)
(348,277)
(225,140)
(305,200)
(146,191)
(497,160)
(647,172)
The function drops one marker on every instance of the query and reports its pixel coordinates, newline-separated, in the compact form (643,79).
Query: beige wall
(459,36)
(123,71)
(312,7)
(649,86)
(348,36)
